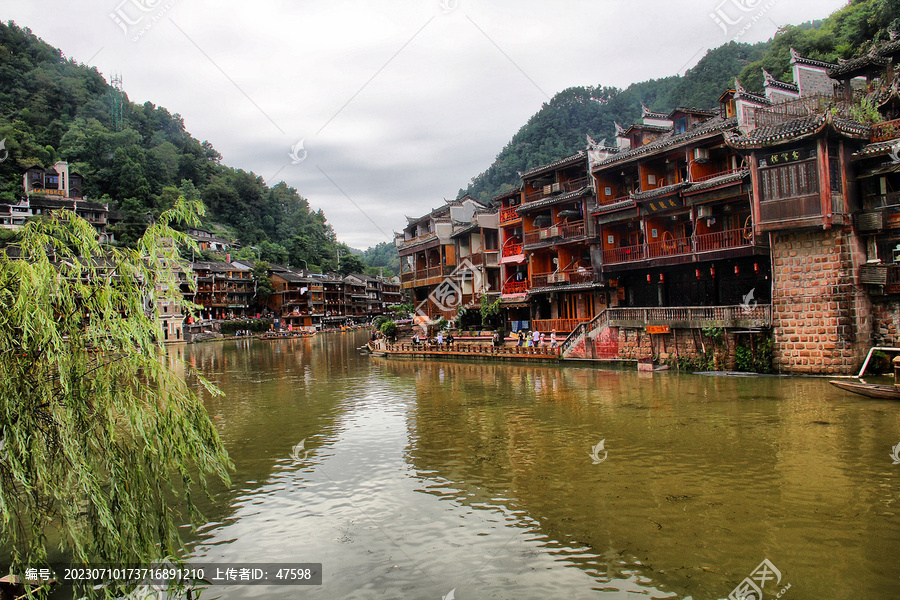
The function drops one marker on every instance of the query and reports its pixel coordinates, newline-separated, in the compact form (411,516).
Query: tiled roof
(562,162)
(710,126)
(772,82)
(418,241)
(875,149)
(796,58)
(849,68)
(795,129)
(507,194)
(577,287)
(717,181)
(626,203)
(693,111)
(533,206)
(661,191)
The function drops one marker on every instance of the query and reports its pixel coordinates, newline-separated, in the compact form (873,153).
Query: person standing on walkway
(520,337)
(553,342)
(440,338)
(535,338)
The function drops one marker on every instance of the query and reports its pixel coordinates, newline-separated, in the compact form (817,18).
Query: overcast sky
(398,104)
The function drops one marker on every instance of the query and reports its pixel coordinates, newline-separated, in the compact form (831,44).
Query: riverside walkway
(464,350)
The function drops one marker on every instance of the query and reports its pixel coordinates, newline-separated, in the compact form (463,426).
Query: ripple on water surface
(422,477)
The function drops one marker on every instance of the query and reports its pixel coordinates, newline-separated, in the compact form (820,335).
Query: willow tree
(102,440)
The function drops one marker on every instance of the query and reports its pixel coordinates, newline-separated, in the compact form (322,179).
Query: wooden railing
(515,287)
(623,254)
(693,316)
(564,231)
(508,215)
(714,175)
(475,349)
(560,325)
(670,247)
(757,315)
(562,188)
(571,230)
(512,250)
(889,130)
(707,242)
(730,238)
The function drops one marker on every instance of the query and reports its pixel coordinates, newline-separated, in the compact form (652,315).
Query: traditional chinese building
(556,238)
(428,255)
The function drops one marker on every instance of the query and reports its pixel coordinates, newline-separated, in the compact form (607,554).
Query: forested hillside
(559,128)
(140,156)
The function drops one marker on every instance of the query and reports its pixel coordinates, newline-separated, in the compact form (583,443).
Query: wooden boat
(870,390)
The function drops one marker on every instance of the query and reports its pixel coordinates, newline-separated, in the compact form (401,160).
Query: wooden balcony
(757,315)
(889,130)
(623,254)
(512,250)
(509,215)
(513,288)
(557,188)
(707,242)
(731,238)
(669,247)
(570,277)
(560,325)
(561,232)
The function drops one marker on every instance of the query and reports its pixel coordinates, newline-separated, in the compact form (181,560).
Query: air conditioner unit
(552,231)
(559,278)
(555,187)
(543,234)
(701,155)
(651,179)
(704,212)
(548,189)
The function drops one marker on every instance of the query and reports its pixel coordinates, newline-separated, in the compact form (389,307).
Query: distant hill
(558,129)
(140,156)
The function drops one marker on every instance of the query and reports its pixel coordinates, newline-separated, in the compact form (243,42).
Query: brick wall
(886,322)
(821,317)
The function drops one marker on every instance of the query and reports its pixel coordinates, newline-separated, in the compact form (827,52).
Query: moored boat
(870,390)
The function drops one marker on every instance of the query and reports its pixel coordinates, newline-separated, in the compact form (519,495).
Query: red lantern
(756,267)
(660,277)
(736,270)
(697,272)
(712,271)
(648,277)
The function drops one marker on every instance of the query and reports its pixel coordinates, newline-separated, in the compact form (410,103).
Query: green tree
(264,287)
(351,263)
(101,437)
(489,310)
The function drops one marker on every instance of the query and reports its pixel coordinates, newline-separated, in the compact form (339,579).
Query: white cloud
(416,101)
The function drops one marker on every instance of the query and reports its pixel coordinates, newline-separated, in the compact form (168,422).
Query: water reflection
(431,476)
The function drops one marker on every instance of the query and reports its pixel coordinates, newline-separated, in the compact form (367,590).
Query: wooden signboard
(659,329)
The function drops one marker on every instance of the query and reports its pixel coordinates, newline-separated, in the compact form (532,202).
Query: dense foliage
(559,128)
(140,156)
(101,437)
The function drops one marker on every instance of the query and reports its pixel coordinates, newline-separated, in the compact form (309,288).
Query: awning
(882,170)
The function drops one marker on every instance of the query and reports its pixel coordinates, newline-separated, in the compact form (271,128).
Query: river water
(424,478)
